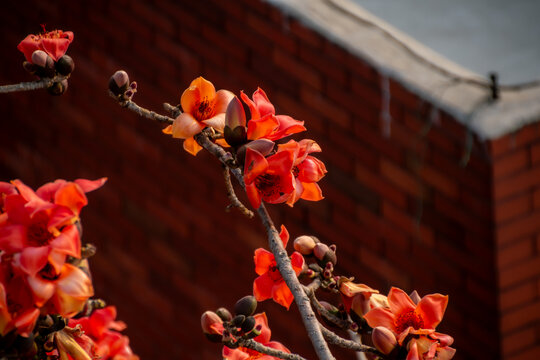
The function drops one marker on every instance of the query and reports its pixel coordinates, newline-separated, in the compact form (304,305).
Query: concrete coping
(419,69)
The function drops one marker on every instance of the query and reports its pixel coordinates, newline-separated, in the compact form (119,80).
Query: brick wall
(403,209)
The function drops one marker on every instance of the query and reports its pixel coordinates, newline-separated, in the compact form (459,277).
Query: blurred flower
(243,353)
(202,107)
(270,283)
(55,43)
(404,316)
(104,332)
(431,346)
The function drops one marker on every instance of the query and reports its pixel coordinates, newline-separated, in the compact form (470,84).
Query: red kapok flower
(269,179)
(202,107)
(404,316)
(430,347)
(55,43)
(264,122)
(243,353)
(104,331)
(270,283)
(349,290)
(307,170)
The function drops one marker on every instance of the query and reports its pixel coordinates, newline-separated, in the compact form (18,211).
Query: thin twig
(152,115)
(251,344)
(357,339)
(232,195)
(173,110)
(32,85)
(341,323)
(334,339)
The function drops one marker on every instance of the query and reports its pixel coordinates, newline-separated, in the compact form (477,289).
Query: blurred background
(402,207)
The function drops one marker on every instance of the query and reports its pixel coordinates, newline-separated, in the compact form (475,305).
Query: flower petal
(217,122)
(33,259)
(431,308)
(12,238)
(222,100)
(264,106)
(261,319)
(262,127)
(264,260)
(255,164)
(380,317)
(185,126)
(56,47)
(262,287)
(399,301)
(297,262)
(68,242)
(191,146)
(284,235)
(71,196)
(42,290)
(26,321)
(254,196)
(282,294)
(90,185)
(74,287)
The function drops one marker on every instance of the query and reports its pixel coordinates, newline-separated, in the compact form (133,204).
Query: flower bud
(58,88)
(263,146)
(65,65)
(29,67)
(383,339)
(119,82)
(245,306)
(224,314)
(238,320)
(235,123)
(304,244)
(42,59)
(324,254)
(66,345)
(209,320)
(255,332)
(248,324)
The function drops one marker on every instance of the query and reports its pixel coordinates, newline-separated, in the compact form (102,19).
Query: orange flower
(55,43)
(242,353)
(431,346)
(307,170)
(269,179)
(270,283)
(202,107)
(404,316)
(264,122)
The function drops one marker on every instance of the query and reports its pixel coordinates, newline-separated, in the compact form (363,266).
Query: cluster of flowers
(46,57)
(44,278)
(275,173)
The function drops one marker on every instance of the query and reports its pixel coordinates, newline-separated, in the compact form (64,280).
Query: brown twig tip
(232,195)
(173,110)
(129,104)
(253,345)
(33,85)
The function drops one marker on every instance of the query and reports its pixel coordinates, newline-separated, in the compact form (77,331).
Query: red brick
(516,251)
(409,224)
(371,179)
(515,274)
(522,316)
(536,199)
(535,154)
(531,353)
(512,208)
(367,92)
(518,296)
(157,19)
(295,68)
(401,178)
(306,35)
(331,73)
(439,181)
(526,225)
(327,108)
(271,32)
(522,137)
(389,272)
(511,344)
(511,163)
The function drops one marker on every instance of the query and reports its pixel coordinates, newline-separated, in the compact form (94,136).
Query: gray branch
(251,344)
(32,85)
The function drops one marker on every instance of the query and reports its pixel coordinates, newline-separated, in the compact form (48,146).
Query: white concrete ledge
(351,27)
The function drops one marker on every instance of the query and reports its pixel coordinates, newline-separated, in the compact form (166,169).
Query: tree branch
(32,85)
(347,344)
(343,324)
(232,195)
(152,115)
(251,344)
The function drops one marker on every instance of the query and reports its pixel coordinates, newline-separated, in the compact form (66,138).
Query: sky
(481,35)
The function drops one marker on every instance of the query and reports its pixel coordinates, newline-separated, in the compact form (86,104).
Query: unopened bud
(255,332)
(65,65)
(238,320)
(42,59)
(66,345)
(263,146)
(58,88)
(224,314)
(324,254)
(415,297)
(245,306)
(209,320)
(248,324)
(330,308)
(29,67)
(304,244)
(383,339)
(235,123)
(118,83)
